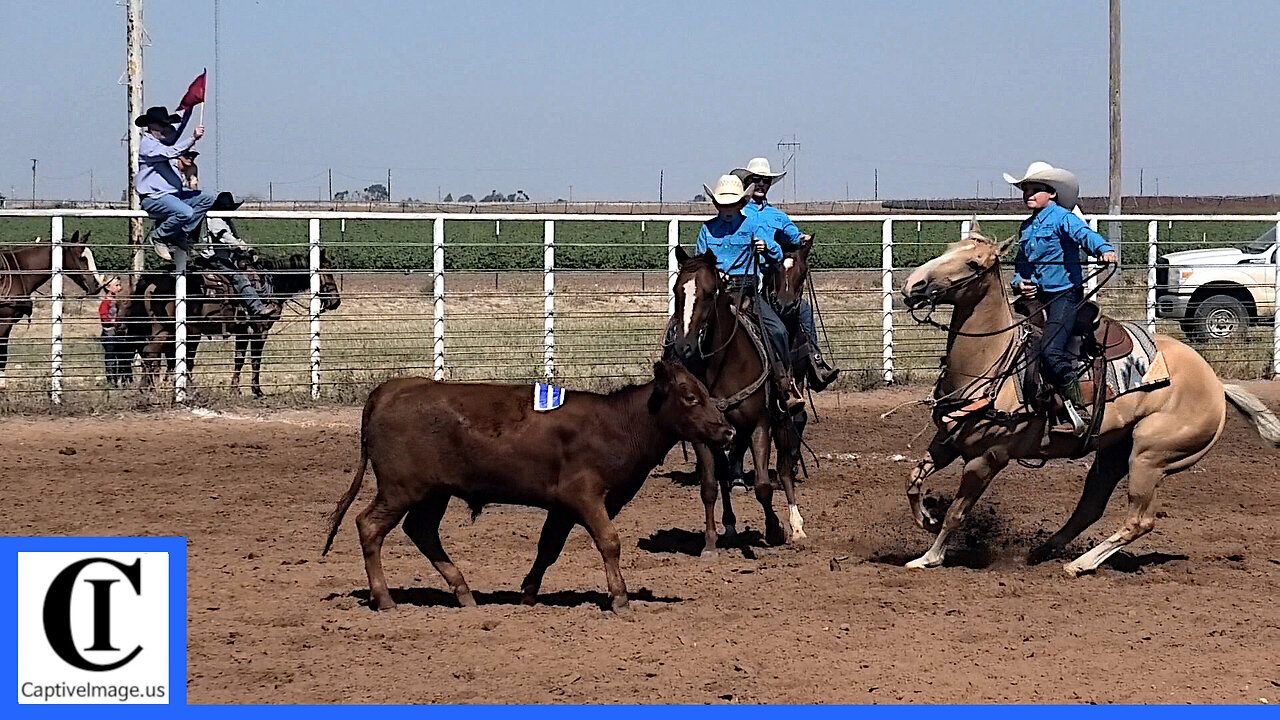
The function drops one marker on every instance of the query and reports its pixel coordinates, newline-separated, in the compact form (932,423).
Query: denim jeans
(177,215)
(1057,364)
(806,322)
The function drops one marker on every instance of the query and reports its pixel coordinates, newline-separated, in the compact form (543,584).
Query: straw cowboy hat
(728,190)
(758,166)
(1062,181)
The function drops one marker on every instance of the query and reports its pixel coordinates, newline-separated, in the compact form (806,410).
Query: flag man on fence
(177,212)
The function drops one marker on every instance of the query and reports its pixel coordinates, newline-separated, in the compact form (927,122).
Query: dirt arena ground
(1189,616)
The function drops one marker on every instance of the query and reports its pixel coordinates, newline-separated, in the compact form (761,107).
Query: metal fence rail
(590,324)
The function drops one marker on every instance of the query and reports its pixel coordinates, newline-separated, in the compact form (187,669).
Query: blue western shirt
(731,242)
(773,223)
(156,175)
(1049,249)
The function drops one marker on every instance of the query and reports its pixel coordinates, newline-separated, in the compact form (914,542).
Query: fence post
(438,294)
(1153,252)
(1275,337)
(56,295)
(966,227)
(886,286)
(314,262)
(549,303)
(673,265)
(180,368)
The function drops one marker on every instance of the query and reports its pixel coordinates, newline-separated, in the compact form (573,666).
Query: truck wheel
(1219,317)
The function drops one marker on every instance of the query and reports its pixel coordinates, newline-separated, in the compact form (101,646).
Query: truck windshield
(1261,244)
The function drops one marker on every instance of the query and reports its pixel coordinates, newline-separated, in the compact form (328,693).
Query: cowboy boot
(821,374)
(1072,404)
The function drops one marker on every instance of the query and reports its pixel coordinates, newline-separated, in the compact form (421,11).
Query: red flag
(195,94)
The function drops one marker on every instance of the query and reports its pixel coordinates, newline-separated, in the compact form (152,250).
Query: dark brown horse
(214,310)
(24,270)
(711,340)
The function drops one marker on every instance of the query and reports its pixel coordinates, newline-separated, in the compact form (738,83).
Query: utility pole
(794,147)
(876,196)
(660,179)
(388,184)
(33,182)
(330,184)
(217,94)
(1141,171)
(133,70)
(271,192)
(1113,183)
(90,184)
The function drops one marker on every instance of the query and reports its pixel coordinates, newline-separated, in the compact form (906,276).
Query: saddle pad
(547,397)
(1142,368)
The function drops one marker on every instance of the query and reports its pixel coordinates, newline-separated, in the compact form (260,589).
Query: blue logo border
(176,547)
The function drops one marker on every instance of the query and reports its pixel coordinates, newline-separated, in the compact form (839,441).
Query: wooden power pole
(1113,181)
(133,70)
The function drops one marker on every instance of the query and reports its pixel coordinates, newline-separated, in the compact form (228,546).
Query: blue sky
(940,97)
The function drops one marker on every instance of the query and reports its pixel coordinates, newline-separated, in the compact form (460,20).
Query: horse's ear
(1008,243)
(709,256)
(975,228)
(75,238)
(682,256)
(85,238)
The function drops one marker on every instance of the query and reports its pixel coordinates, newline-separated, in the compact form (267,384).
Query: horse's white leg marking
(1143,480)
(797,522)
(974,480)
(690,297)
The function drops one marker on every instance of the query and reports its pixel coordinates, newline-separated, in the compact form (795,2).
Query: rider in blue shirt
(775,224)
(739,249)
(1048,269)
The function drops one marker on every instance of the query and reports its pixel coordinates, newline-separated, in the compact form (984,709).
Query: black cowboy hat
(158,115)
(225,201)
(190,154)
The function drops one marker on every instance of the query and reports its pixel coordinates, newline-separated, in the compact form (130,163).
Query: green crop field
(594,245)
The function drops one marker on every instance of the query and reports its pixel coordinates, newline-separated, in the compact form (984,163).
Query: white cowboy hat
(1062,181)
(758,166)
(728,190)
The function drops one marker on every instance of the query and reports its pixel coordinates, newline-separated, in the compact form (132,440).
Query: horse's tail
(1262,419)
(335,517)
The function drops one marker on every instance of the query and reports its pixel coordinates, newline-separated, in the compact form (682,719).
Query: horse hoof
(1074,571)
(1043,553)
(707,555)
(923,562)
(623,610)
(799,535)
(466,600)
(730,531)
(384,605)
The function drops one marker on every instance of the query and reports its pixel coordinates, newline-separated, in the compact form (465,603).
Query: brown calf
(431,441)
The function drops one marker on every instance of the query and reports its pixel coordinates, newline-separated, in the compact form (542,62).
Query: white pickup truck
(1218,293)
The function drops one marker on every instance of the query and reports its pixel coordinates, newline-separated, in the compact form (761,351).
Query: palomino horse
(711,340)
(218,313)
(24,270)
(1146,434)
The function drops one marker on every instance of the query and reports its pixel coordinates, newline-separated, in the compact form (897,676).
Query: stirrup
(1075,424)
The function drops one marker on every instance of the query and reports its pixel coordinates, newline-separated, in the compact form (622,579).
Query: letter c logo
(57,613)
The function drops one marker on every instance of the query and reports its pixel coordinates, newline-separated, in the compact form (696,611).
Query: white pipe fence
(439,358)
